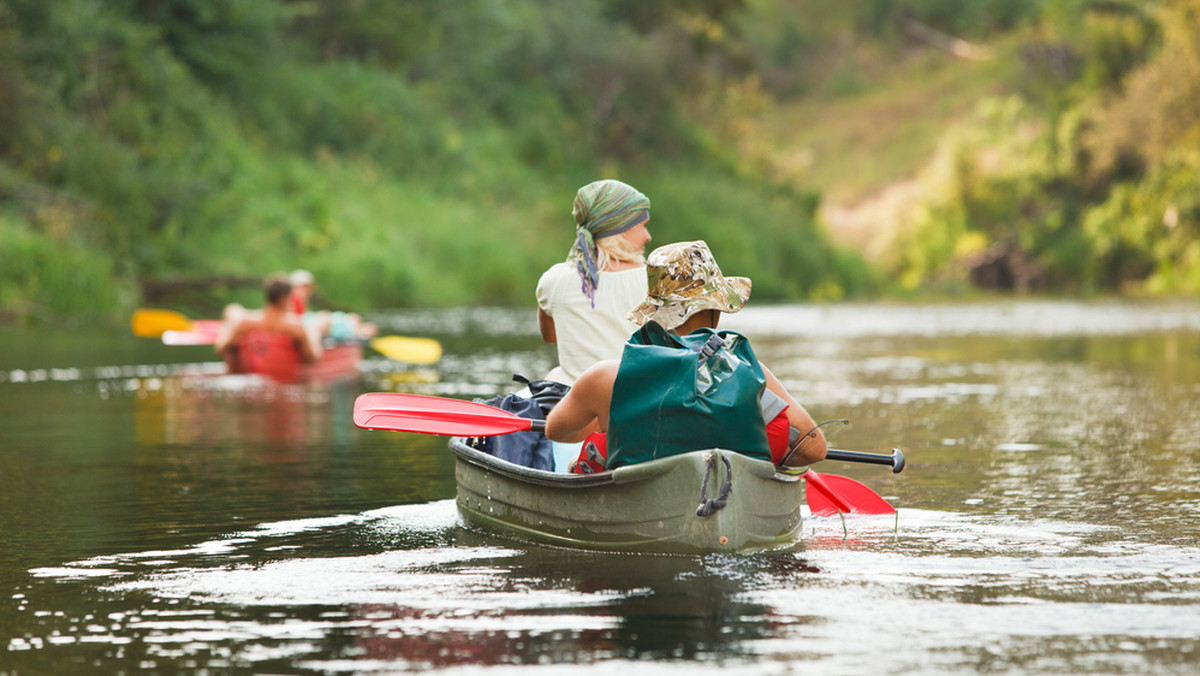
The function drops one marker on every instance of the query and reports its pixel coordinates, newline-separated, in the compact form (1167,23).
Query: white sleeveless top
(587,335)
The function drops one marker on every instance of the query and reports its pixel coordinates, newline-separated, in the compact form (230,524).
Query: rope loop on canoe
(707,507)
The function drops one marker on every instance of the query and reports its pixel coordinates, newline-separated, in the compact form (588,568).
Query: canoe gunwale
(527,474)
(626,474)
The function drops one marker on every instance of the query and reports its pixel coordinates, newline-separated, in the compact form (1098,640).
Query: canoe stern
(699,502)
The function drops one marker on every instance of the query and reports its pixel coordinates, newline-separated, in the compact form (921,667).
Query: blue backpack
(527,449)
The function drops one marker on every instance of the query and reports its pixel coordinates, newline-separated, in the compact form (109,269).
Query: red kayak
(276,356)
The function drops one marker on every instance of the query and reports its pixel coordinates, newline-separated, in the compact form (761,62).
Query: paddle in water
(830,494)
(400,412)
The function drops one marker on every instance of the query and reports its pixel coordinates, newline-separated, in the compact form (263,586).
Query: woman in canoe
(583,302)
(680,384)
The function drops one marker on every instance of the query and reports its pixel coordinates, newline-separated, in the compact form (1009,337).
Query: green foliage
(988,184)
(583,81)
(978,18)
(1097,196)
(1083,47)
(408,153)
(426,152)
(646,15)
(1158,108)
(231,46)
(1147,233)
(44,277)
(771,236)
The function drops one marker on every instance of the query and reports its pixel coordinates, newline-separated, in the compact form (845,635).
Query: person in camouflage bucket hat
(661,397)
(683,279)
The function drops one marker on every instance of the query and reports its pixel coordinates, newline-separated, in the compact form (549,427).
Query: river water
(156,518)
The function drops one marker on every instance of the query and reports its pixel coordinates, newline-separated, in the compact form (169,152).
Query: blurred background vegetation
(426,153)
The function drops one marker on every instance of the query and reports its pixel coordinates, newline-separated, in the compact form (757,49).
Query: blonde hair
(616,249)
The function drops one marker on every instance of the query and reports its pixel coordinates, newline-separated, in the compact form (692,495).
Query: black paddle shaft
(895,460)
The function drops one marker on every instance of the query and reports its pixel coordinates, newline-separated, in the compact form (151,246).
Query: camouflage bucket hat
(684,279)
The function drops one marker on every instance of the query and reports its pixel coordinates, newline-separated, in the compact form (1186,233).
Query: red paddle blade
(434,415)
(829,494)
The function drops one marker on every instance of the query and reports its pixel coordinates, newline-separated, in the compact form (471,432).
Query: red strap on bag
(778,430)
(593,457)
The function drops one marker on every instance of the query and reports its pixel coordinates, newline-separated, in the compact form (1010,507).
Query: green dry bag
(674,394)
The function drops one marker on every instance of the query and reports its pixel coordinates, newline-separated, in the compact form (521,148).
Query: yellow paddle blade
(152,323)
(408,350)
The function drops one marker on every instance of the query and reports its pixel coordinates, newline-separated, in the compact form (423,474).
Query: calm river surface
(157,521)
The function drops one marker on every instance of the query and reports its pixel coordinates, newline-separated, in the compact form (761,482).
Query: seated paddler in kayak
(336,325)
(274,326)
(681,385)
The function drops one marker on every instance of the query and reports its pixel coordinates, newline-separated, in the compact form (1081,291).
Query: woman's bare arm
(546,327)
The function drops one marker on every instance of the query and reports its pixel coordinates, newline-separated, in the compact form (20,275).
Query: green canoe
(653,507)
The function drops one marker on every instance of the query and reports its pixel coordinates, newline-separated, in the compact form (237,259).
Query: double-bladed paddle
(149,323)
(455,417)
(177,329)
(408,350)
(174,328)
(202,332)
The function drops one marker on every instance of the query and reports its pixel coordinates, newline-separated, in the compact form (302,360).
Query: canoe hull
(339,361)
(649,507)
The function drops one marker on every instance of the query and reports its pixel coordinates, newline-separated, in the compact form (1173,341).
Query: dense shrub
(52,280)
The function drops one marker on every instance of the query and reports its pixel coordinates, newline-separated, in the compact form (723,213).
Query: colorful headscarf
(602,209)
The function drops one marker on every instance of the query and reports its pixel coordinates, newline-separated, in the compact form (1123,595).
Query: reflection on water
(212,410)
(415,590)
(160,519)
